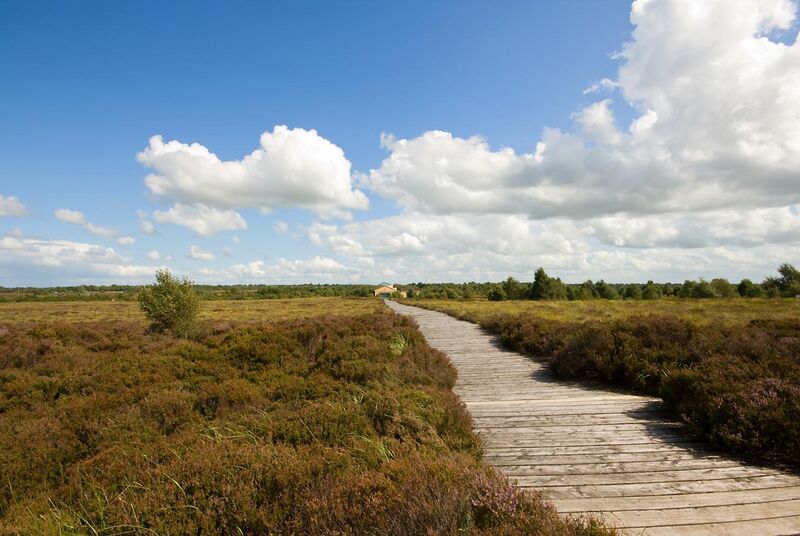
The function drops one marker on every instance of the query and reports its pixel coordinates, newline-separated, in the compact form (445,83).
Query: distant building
(386,291)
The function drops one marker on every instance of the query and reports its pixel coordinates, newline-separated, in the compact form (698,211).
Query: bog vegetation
(729,368)
(320,416)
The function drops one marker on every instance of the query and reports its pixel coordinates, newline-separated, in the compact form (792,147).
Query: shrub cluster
(330,425)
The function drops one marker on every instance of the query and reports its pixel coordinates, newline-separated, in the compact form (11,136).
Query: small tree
(513,289)
(585,291)
(788,284)
(687,289)
(703,289)
(170,304)
(633,292)
(651,291)
(497,294)
(545,287)
(606,291)
(723,288)
(748,289)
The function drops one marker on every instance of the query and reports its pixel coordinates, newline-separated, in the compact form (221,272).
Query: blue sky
(86,84)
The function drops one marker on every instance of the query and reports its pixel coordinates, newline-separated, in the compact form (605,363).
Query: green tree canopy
(547,288)
(787,283)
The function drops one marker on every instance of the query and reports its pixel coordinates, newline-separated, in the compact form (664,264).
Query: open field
(730,310)
(318,416)
(234,310)
(730,369)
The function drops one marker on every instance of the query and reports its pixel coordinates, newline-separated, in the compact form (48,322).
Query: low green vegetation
(317,416)
(729,368)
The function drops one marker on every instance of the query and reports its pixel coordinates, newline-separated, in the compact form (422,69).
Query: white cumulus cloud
(203,220)
(291,168)
(716,126)
(76,217)
(67,259)
(11,206)
(199,254)
(286,270)
(705,175)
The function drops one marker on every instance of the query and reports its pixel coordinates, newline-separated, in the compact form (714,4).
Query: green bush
(170,304)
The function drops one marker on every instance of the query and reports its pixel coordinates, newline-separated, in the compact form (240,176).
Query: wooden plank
(787,526)
(673,457)
(645,447)
(555,478)
(682,500)
(667,488)
(677,517)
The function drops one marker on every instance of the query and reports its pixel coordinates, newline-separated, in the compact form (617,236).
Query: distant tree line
(204,292)
(546,287)
(543,287)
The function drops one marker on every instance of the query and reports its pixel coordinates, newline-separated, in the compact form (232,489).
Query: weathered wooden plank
(666,488)
(531,468)
(548,479)
(605,451)
(674,457)
(693,516)
(784,525)
(682,500)
(645,447)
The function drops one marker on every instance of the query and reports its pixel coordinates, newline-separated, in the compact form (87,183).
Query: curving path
(596,450)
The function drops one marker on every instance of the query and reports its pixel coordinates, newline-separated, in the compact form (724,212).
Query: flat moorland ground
(729,310)
(304,416)
(729,368)
(234,310)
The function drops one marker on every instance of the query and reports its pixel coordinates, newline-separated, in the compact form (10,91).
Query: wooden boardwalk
(596,450)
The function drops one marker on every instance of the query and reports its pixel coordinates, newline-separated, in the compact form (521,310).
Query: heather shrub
(528,333)
(329,425)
